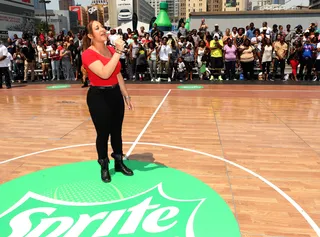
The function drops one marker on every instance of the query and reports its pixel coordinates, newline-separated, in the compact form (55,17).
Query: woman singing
(105,97)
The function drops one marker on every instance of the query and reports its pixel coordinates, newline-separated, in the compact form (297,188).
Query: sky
(55,3)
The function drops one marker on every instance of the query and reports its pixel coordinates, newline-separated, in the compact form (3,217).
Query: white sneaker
(158,80)
(152,80)
(169,80)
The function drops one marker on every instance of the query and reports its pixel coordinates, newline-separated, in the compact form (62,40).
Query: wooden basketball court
(257,146)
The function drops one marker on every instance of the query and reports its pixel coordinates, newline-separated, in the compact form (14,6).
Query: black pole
(45,12)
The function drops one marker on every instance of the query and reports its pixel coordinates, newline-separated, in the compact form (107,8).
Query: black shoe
(8,87)
(119,166)
(105,174)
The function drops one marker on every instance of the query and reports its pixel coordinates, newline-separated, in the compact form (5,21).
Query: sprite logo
(149,212)
(60,203)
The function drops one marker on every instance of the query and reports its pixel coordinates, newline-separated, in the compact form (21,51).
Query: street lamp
(45,2)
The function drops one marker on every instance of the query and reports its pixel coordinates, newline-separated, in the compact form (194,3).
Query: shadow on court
(142,162)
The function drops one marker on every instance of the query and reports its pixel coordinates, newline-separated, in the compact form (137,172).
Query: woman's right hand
(119,43)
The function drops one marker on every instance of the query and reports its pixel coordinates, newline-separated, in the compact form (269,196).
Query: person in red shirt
(106,96)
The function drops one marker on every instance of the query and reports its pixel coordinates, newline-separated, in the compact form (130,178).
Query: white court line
(283,194)
(146,126)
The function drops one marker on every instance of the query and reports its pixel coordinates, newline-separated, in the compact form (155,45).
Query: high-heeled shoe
(119,166)
(105,174)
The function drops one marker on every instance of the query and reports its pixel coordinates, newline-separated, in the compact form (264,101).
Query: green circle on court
(190,87)
(57,87)
(71,200)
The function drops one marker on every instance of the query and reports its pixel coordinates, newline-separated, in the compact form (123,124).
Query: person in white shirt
(10,65)
(266,29)
(181,68)
(113,36)
(4,69)
(317,63)
(164,50)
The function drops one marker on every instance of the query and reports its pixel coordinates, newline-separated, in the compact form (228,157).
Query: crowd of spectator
(250,53)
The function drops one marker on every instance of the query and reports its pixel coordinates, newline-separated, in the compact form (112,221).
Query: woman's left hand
(129,103)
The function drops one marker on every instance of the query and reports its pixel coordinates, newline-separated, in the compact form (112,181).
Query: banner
(134,21)
(125,11)
(12,33)
(77,10)
(27,2)
(16,23)
(92,13)
(231,3)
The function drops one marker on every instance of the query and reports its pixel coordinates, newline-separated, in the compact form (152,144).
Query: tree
(40,26)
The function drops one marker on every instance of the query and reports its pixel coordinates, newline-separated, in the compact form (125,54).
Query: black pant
(19,71)
(124,71)
(305,62)
(266,67)
(247,67)
(106,107)
(282,64)
(230,69)
(4,71)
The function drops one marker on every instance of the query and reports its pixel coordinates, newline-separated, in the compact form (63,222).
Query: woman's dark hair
(243,30)
(151,43)
(86,41)
(125,36)
(265,41)
(173,44)
(246,41)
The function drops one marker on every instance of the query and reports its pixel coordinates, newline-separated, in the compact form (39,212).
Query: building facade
(243,18)
(81,13)
(182,9)
(214,5)
(72,19)
(144,10)
(56,22)
(16,16)
(65,4)
(173,7)
(96,13)
(280,2)
(193,6)
(38,5)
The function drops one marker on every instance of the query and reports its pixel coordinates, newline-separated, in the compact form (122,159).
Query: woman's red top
(89,56)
